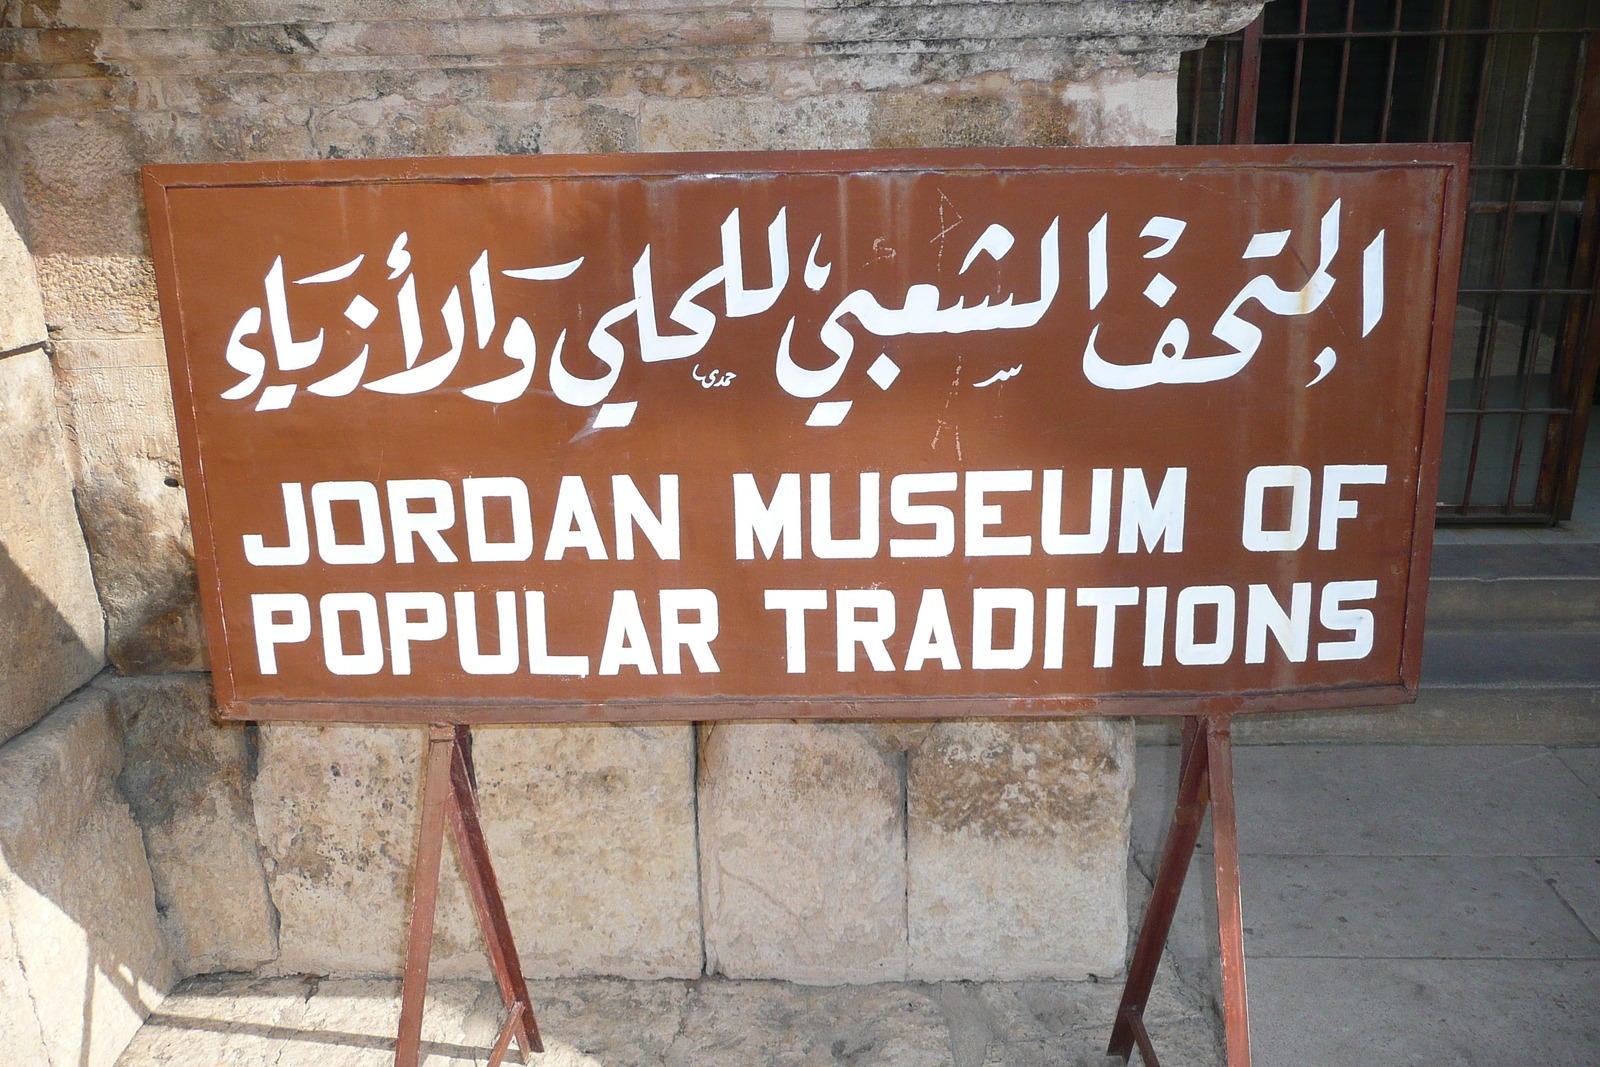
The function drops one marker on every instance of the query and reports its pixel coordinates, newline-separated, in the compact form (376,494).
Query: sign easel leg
(486,900)
(1230,911)
(450,795)
(1205,776)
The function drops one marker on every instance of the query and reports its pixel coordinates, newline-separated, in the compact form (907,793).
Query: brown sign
(1010,432)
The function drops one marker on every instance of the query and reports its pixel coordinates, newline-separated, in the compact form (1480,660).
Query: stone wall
(52,637)
(82,957)
(820,853)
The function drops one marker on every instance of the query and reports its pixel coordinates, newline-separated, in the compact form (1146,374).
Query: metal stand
(451,792)
(1206,777)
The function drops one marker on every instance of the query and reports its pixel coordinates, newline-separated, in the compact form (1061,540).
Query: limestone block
(117,409)
(187,781)
(99,296)
(1120,107)
(76,901)
(1017,850)
(802,853)
(21,313)
(52,636)
(80,182)
(591,830)
(336,810)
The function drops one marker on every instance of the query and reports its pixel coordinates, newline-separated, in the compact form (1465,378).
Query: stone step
(1442,715)
(1513,657)
(1555,587)
(1526,681)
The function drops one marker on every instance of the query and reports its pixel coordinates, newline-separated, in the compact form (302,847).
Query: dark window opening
(1520,80)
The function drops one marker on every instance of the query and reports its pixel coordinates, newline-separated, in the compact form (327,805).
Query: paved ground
(1405,905)
(711,1023)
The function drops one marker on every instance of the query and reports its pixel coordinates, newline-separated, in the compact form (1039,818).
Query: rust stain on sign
(996,432)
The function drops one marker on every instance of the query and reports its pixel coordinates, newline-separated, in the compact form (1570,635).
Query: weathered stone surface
(52,636)
(80,182)
(102,297)
(82,959)
(21,311)
(591,830)
(187,781)
(1032,820)
(1113,107)
(117,411)
(802,853)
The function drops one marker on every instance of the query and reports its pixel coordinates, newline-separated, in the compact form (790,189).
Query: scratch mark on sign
(943,229)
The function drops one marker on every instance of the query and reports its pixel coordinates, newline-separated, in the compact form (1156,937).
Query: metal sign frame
(162,182)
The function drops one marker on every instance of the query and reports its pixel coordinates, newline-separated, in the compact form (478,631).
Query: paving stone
(732,1024)
(1548,656)
(187,781)
(1154,794)
(238,1021)
(1436,906)
(1583,762)
(1443,715)
(84,958)
(52,635)
(1193,946)
(608,1020)
(1430,1013)
(1577,880)
(1374,800)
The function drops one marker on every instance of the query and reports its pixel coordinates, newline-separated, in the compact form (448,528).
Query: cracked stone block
(116,405)
(187,781)
(82,957)
(591,831)
(52,636)
(802,853)
(1017,838)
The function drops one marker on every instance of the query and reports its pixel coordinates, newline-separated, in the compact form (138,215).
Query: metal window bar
(1521,80)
